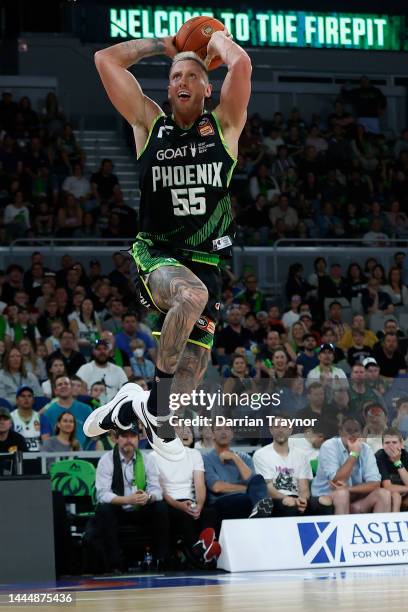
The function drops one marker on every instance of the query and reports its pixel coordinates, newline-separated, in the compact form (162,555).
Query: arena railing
(271,264)
(96,455)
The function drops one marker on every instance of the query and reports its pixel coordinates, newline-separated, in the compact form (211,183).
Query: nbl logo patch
(205,128)
(206,325)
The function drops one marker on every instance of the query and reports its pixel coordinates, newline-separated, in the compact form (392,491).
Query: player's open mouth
(183,95)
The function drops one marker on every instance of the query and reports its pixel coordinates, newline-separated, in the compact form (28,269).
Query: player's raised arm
(121,86)
(236,89)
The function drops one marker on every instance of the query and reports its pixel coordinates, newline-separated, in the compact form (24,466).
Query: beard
(101,360)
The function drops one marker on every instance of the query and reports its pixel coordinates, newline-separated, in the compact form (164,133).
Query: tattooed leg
(177,290)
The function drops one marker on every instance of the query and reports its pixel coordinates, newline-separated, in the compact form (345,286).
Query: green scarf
(2,327)
(139,473)
(117,358)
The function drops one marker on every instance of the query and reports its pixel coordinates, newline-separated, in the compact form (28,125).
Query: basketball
(195,34)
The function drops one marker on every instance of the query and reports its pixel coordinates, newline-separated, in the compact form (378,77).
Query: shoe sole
(91,426)
(163,449)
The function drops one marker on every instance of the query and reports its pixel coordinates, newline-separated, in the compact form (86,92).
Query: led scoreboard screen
(269,28)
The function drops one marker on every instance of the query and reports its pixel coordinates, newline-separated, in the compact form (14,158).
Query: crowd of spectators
(333,347)
(44,189)
(328,177)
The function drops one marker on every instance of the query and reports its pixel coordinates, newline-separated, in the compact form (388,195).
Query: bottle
(148,559)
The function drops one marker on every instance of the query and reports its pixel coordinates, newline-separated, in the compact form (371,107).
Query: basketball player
(186,162)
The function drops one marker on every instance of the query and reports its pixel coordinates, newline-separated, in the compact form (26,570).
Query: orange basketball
(195,34)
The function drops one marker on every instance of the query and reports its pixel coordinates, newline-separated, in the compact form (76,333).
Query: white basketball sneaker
(132,398)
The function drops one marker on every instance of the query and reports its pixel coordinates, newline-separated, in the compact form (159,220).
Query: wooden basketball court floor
(326,590)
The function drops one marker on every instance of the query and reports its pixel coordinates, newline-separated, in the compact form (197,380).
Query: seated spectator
(233,335)
(292,316)
(361,392)
(87,328)
(98,393)
(388,356)
(296,284)
(288,473)
(358,322)
(64,439)
(375,237)
(347,471)
(262,183)
(76,184)
(140,365)
(266,350)
(239,376)
(335,320)
(358,350)
(55,367)
(400,419)
(53,342)
(100,368)
(23,327)
(334,285)
(296,333)
(127,480)
(375,423)
(356,279)
(397,220)
(44,220)
(253,326)
(31,361)
(309,442)
(104,180)
(183,487)
(80,389)
(251,295)
(48,316)
(64,401)
(320,271)
(273,141)
(307,358)
(325,372)
(112,321)
(206,438)
(27,421)
(329,336)
(233,488)
(72,359)
(70,148)
(274,319)
(131,330)
(116,356)
(13,375)
(316,140)
(285,212)
(375,301)
(10,441)
(397,291)
(392,461)
(69,218)
(283,161)
(318,408)
(17,217)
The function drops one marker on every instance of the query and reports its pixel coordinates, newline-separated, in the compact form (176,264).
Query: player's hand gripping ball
(195,34)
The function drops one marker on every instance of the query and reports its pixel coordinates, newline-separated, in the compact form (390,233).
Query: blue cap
(23,388)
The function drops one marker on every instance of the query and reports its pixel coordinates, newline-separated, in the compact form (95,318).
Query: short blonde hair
(184,56)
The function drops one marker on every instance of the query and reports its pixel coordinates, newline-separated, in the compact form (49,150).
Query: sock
(164,381)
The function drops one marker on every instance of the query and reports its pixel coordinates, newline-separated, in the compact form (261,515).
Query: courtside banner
(313,542)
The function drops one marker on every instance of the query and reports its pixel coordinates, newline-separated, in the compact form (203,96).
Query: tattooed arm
(179,291)
(121,86)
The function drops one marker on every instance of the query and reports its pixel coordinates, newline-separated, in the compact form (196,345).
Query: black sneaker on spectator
(123,411)
(262,509)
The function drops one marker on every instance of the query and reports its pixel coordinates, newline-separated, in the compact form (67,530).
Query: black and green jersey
(184,178)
